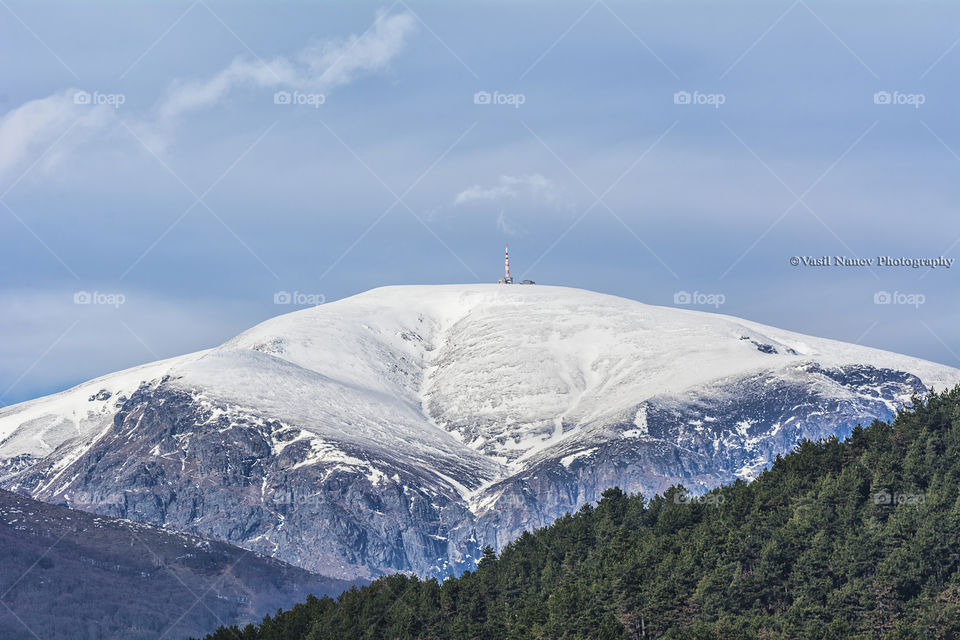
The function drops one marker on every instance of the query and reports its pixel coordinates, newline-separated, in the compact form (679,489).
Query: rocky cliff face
(170,460)
(406,428)
(705,437)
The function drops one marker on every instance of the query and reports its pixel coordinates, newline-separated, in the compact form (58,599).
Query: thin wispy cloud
(42,129)
(506,226)
(318,67)
(36,128)
(532,187)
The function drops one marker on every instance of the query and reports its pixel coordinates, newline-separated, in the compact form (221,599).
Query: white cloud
(30,129)
(505,226)
(339,62)
(318,67)
(189,95)
(533,187)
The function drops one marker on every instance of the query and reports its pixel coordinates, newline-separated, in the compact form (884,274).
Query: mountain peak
(410,424)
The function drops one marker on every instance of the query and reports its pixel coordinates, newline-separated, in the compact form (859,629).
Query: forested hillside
(853,539)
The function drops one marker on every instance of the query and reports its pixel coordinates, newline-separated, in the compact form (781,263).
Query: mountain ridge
(413,425)
(70,574)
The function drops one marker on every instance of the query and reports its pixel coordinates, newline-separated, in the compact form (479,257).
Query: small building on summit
(506,279)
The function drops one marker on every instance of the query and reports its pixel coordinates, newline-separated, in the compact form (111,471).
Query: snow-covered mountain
(406,427)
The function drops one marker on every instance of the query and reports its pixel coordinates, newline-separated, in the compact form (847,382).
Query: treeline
(853,539)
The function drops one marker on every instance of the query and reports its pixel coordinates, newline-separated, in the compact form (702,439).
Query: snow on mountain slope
(512,379)
(34,429)
(330,410)
(407,426)
(519,359)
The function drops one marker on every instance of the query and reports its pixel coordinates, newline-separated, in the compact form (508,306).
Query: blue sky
(199,198)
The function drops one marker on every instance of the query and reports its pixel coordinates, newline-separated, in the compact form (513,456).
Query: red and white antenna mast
(506,261)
